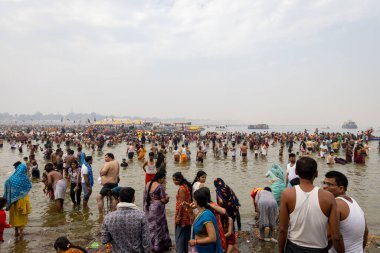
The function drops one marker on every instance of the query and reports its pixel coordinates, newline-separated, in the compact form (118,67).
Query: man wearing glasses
(353,226)
(305,213)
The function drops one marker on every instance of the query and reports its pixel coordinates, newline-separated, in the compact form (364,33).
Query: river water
(45,225)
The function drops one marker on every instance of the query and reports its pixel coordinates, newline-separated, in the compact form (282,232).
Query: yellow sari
(142,152)
(19,211)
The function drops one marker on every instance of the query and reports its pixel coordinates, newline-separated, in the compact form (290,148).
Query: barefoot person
(16,192)
(109,178)
(3,219)
(87,180)
(268,211)
(56,181)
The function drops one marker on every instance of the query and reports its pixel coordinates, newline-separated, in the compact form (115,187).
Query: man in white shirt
(323,149)
(291,170)
(87,180)
(353,226)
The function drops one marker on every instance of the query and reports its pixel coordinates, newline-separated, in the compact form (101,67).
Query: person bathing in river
(149,168)
(109,178)
(56,181)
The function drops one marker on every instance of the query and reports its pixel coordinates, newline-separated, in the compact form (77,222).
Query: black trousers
(294,248)
(75,196)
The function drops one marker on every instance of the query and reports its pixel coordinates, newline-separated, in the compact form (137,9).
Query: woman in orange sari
(142,152)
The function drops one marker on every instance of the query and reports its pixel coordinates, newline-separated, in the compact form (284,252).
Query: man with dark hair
(109,178)
(56,181)
(81,156)
(291,170)
(127,227)
(161,161)
(87,180)
(69,158)
(353,226)
(305,213)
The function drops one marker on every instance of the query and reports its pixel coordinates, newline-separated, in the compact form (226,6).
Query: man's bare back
(54,177)
(110,172)
(69,160)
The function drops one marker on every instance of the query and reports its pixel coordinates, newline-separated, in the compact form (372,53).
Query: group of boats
(224,128)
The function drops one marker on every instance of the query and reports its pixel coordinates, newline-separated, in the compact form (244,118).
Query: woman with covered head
(277,180)
(16,190)
(226,198)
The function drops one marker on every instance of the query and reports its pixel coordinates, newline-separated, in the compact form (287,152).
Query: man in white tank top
(305,213)
(353,226)
(291,170)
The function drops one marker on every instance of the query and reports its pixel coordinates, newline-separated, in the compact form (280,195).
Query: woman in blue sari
(277,180)
(16,190)
(205,228)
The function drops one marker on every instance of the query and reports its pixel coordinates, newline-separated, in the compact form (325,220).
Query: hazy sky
(289,62)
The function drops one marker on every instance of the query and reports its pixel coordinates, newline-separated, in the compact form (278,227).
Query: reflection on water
(45,225)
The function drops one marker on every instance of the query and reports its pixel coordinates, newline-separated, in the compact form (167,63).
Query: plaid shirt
(127,229)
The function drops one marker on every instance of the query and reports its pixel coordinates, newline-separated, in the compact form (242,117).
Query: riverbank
(248,242)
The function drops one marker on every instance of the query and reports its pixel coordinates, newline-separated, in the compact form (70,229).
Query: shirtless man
(309,147)
(306,212)
(154,149)
(69,159)
(200,154)
(243,151)
(55,157)
(109,179)
(56,181)
(233,151)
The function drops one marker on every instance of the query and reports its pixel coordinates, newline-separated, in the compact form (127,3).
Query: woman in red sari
(183,214)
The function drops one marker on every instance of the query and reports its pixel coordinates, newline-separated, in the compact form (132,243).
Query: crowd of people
(201,225)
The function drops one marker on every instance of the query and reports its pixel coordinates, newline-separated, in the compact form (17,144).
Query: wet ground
(45,225)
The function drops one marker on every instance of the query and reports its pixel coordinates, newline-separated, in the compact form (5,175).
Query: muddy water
(45,225)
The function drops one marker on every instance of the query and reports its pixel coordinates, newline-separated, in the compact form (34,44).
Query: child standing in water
(3,220)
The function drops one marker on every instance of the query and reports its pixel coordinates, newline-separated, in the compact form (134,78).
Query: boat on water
(221,128)
(349,125)
(258,126)
(326,128)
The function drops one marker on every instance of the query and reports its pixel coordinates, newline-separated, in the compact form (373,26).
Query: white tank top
(307,224)
(292,172)
(352,228)
(150,168)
